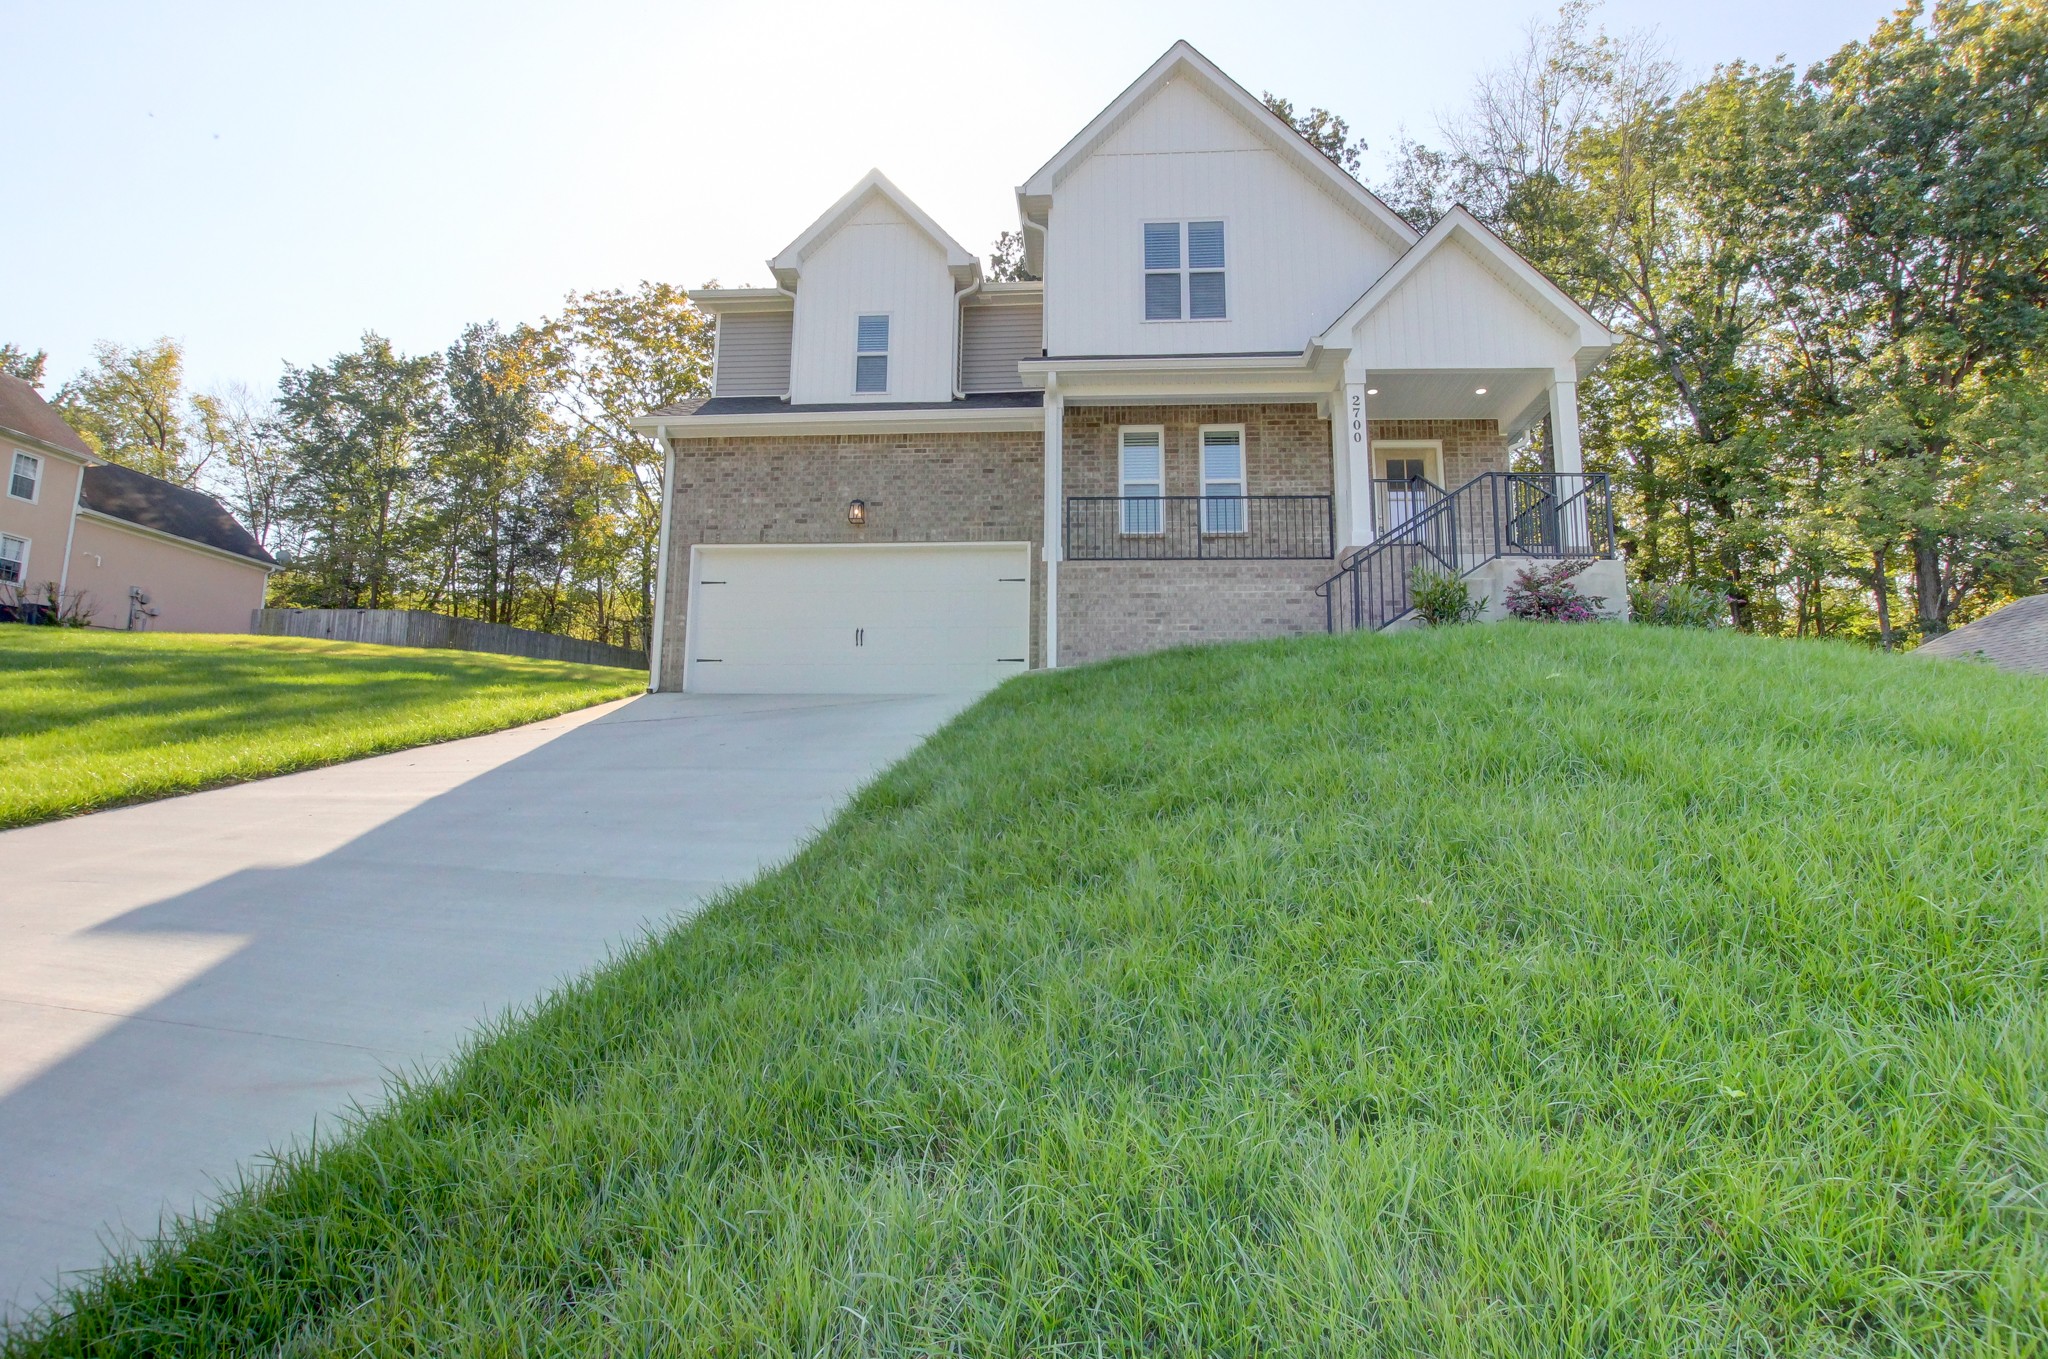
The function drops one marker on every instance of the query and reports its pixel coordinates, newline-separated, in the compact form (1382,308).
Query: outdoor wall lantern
(857,513)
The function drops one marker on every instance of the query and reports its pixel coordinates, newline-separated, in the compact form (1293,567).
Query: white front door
(884,619)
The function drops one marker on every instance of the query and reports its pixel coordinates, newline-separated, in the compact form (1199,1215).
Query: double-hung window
(1223,502)
(871,354)
(1184,271)
(26,477)
(13,558)
(1141,477)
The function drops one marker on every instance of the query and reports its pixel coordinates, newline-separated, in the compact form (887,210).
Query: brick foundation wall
(1124,608)
(919,488)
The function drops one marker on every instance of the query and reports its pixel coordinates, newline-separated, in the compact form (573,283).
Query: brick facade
(1470,446)
(1123,608)
(919,488)
(1286,448)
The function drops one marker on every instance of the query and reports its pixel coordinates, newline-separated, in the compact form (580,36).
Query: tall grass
(1517,990)
(96,719)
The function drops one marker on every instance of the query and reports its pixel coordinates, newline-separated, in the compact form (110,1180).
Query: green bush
(1441,598)
(1676,604)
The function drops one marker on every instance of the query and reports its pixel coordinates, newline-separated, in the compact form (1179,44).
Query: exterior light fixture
(857,513)
(1479,391)
(1372,391)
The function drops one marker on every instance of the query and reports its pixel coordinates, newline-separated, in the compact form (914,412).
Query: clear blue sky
(265,181)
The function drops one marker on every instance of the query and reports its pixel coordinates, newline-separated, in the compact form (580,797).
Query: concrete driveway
(189,983)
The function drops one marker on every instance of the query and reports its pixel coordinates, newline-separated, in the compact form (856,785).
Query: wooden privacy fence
(410,627)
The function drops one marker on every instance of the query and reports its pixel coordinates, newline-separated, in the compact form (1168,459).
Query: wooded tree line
(498,479)
(1831,403)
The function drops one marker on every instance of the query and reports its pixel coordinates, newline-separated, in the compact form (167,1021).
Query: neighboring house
(141,552)
(1246,400)
(2013,637)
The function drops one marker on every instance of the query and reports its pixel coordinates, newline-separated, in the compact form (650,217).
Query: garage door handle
(860,636)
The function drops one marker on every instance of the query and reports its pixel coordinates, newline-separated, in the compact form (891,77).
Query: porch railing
(1200,528)
(1496,514)
(1395,501)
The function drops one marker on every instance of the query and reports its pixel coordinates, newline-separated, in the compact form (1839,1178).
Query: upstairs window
(27,476)
(1141,477)
(1184,267)
(871,354)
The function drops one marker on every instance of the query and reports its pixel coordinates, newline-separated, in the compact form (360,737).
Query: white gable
(1454,310)
(1178,118)
(876,260)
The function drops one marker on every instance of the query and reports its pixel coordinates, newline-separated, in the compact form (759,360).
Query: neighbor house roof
(164,507)
(2014,637)
(24,412)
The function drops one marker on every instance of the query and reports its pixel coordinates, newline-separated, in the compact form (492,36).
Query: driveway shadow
(382,954)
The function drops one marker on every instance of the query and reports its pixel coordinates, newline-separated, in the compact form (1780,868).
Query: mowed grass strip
(95,719)
(1508,991)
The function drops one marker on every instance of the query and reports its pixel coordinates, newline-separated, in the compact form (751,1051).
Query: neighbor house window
(1184,271)
(13,558)
(1141,477)
(27,477)
(1223,479)
(871,355)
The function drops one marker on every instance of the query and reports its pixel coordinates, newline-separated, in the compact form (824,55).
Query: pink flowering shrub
(1549,596)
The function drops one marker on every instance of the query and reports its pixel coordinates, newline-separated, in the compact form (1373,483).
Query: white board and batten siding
(752,357)
(1295,257)
(994,338)
(909,618)
(878,262)
(1457,311)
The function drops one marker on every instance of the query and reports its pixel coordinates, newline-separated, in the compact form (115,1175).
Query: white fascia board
(29,443)
(789,262)
(1183,59)
(1530,282)
(144,531)
(720,300)
(1314,366)
(1014,419)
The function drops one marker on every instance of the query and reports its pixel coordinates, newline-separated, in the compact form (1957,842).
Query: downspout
(789,293)
(960,296)
(70,532)
(657,631)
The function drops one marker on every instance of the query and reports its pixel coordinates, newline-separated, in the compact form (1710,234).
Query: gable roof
(1182,61)
(24,412)
(2014,637)
(165,507)
(1523,278)
(786,265)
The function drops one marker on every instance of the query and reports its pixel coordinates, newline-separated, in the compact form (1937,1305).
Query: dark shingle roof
(2015,637)
(125,493)
(775,405)
(23,410)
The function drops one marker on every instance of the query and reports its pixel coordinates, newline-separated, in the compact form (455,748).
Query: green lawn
(94,719)
(1510,990)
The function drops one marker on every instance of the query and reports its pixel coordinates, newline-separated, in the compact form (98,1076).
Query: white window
(13,559)
(1184,271)
(1141,477)
(26,482)
(871,354)
(1223,503)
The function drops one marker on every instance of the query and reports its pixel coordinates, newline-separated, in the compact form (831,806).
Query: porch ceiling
(1513,397)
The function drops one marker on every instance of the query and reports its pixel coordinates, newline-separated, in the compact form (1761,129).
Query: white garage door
(898,619)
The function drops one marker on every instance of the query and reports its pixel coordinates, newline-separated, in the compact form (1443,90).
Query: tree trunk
(1881,588)
(1927,592)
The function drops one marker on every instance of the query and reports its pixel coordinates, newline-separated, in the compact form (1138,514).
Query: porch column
(657,633)
(1055,513)
(1351,435)
(1566,459)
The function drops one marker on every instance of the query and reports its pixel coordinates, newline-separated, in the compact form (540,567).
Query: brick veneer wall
(1286,448)
(1470,446)
(919,488)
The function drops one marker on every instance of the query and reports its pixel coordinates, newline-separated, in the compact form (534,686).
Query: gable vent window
(871,355)
(26,476)
(1184,268)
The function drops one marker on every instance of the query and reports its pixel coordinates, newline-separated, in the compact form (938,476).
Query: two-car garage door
(911,618)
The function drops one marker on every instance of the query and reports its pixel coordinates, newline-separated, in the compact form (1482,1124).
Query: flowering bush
(1549,596)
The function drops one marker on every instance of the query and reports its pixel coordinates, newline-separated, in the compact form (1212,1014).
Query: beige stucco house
(138,552)
(1241,398)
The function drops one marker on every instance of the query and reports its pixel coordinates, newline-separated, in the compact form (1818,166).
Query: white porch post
(656,632)
(1351,432)
(1567,461)
(1055,514)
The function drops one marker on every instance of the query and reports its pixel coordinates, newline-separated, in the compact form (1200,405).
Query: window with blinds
(1184,271)
(871,354)
(1141,477)
(1223,503)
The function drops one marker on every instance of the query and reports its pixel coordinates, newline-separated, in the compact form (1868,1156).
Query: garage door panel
(856,619)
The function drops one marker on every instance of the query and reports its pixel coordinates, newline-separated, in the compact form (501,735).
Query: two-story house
(1246,399)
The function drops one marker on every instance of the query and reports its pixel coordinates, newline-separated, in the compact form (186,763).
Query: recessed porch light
(1479,391)
(1372,391)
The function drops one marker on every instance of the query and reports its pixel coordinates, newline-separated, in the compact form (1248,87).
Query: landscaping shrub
(1441,598)
(1549,596)
(1675,604)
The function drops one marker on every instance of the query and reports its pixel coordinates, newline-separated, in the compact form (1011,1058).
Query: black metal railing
(1396,501)
(1496,514)
(1200,527)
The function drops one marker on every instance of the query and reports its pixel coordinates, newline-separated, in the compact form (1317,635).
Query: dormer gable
(874,199)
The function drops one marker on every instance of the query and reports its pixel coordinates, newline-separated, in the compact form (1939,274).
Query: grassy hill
(1509,990)
(92,719)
